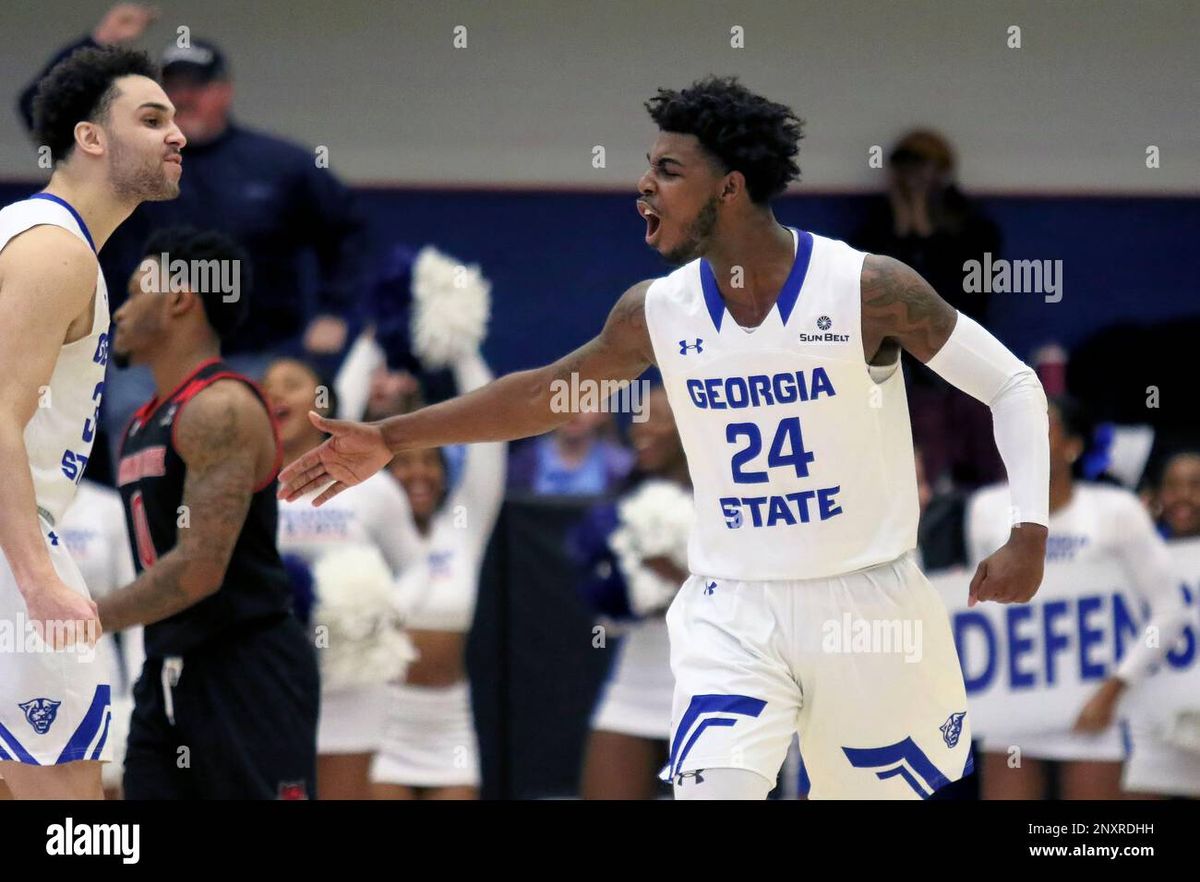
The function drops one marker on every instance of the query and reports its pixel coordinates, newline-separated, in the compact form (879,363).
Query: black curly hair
(744,131)
(80,88)
(188,244)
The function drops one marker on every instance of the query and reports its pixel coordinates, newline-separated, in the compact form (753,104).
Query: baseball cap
(202,61)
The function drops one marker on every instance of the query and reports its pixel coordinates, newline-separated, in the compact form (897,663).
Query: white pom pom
(655,521)
(366,644)
(451,307)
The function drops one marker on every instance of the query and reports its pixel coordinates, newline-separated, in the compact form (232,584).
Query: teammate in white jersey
(109,129)
(374,513)
(1088,522)
(779,352)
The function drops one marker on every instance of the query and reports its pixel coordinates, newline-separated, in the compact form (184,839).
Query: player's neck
(95,202)
(172,368)
(758,252)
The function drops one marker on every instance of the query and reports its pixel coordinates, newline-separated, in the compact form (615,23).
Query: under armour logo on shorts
(698,775)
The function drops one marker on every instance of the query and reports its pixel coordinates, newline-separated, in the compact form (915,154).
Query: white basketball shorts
(862,665)
(55,706)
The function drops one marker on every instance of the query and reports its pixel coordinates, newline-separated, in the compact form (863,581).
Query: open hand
(353,453)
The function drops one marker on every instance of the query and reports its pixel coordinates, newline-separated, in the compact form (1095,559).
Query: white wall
(543,81)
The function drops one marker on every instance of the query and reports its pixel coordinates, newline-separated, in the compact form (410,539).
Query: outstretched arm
(522,404)
(515,406)
(900,308)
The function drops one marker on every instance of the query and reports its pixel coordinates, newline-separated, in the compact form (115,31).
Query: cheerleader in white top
(354,549)
(1088,522)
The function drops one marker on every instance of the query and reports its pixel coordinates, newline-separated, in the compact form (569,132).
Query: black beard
(697,234)
(121,359)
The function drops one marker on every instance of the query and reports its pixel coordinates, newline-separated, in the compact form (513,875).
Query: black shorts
(239,723)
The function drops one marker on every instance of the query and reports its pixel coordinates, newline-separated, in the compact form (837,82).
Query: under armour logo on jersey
(40,712)
(710,587)
(684,346)
(952,728)
(53,538)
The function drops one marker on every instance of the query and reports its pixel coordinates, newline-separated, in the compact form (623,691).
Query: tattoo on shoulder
(898,303)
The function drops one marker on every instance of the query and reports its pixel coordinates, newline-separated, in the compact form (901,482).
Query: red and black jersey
(151,477)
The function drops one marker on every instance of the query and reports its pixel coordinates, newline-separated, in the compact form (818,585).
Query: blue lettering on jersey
(101,356)
(788,509)
(760,390)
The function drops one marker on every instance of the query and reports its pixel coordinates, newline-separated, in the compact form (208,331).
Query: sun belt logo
(824,323)
(684,346)
(41,713)
(952,728)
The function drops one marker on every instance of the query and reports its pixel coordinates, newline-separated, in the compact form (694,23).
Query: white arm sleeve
(480,488)
(980,365)
(1149,566)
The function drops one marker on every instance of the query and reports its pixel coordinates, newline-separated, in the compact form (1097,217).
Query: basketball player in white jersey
(779,351)
(108,127)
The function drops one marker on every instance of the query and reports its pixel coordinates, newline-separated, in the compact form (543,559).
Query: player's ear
(732,184)
(180,302)
(89,138)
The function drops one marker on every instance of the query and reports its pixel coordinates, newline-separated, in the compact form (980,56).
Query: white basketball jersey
(59,436)
(801,463)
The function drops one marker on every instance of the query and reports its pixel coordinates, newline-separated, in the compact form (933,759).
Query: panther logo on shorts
(40,712)
(952,728)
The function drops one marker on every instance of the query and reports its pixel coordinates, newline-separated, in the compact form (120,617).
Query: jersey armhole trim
(191,388)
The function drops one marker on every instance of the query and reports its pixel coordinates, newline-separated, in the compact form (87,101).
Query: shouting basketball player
(779,351)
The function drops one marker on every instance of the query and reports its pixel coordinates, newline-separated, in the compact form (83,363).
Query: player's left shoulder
(226,415)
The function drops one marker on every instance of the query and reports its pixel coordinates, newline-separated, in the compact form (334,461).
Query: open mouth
(653,221)
(281,412)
